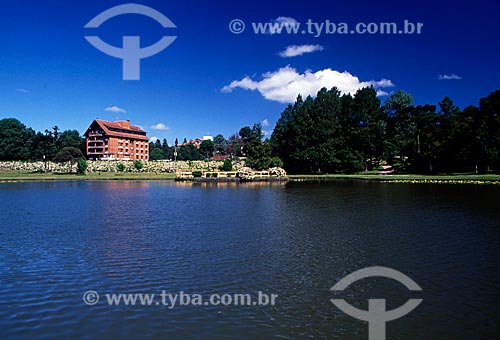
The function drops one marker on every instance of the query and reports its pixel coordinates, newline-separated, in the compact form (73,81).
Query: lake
(62,239)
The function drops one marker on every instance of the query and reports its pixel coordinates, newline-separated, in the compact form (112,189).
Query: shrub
(138,165)
(197,173)
(228,165)
(68,154)
(399,167)
(81,166)
(120,167)
(276,162)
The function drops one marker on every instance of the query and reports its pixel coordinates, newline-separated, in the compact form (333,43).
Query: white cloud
(298,50)
(280,24)
(265,122)
(285,20)
(115,109)
(452,76)
(153,139)
(285,84)
(382,83)
(23,90)
(160,126)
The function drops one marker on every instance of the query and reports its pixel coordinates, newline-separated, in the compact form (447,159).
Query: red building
(116,140)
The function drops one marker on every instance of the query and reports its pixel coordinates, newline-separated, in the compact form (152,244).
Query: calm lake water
(61,239)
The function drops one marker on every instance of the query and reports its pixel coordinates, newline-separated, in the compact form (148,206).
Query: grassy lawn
(13,175)
(468,178)
(405,177)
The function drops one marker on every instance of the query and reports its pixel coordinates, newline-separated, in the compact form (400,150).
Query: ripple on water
(62,239)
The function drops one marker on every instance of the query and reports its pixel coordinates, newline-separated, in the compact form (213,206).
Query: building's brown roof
(122,125)
(219,157)
(196,142)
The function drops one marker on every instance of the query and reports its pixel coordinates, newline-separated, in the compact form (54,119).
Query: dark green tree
(234,146)
(71,138)
(157,154)
(189,153)
(401,128)
(369,126)
(258,153)
(207,148)
(221,144)
(227,165)
(56,134)
(157,144)
(489,133)
(424,156)
(446,145)
(81,166)
(68,155)
(319,135)
(43,146)
(15,140)
(138,165)
(166,149)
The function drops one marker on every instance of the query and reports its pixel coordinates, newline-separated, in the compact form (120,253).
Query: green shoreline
(487,179)
(18,176)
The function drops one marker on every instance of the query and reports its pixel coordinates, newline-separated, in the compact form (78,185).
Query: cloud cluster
(277,25)
(452,76)
(160,127)
(115,109)
(298,50)
(286,83)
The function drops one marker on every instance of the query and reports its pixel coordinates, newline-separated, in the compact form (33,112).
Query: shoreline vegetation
(462,178)
(332,133)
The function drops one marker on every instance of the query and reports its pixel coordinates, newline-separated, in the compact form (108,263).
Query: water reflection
(60,239)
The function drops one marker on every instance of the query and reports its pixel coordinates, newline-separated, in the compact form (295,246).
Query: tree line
(188,151)
(336,133)
(331,133)
(18,142)
(247,143)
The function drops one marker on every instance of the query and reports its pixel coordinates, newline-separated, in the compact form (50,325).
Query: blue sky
(212,81)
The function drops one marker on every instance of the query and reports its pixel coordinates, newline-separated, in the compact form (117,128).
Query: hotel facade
(116,140)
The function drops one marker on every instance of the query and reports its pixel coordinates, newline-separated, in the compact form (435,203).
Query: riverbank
(12,176)
(113,166)
(465,178)
(462,178)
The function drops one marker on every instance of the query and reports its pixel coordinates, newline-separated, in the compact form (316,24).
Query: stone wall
(110,166)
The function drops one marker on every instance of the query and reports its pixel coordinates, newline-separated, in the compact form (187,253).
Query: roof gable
(121,129)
